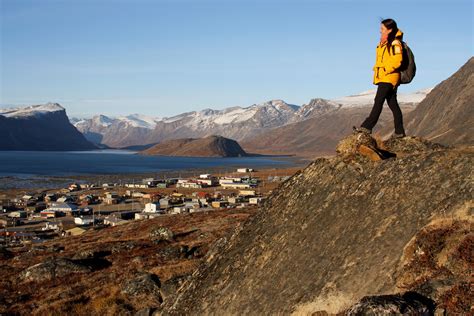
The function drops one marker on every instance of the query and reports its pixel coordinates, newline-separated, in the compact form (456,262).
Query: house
(82,211)
(177,210)
(63,207)
(18,214)
(9,222)
(161,184)
(219,204)
(256,200)
(114,221)
(150,197)
(202,194)
(244,170)
(88,198)
(153,183)
(234,199)
(164,202)
(226,181)
(236,185)
(137,185)
(19,203)
(51,226)
(138,194)
(208,182)
(64,199)
(36,208)
(109,185)
(247,193)
(192,205)
(185,183)
(139,216)
(110,201)
(50,197)
(84,220)
(111,195)
(28,198)
(153,208)
(47,213)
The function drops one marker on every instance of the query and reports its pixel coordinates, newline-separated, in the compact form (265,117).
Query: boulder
(410,145)
(143,285)
(409,303)
(161,234)
(361,145)
(53,268)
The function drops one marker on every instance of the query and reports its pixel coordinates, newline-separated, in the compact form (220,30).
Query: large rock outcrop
(446,115)
(347,231)
(40,127)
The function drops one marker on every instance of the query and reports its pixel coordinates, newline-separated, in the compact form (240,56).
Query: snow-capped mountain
(32,110)
(367,98)
(233,122)
(40,127)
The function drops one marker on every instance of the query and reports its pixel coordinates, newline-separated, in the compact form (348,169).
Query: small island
(210,146)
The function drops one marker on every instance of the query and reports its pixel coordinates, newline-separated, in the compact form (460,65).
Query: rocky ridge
(350,235)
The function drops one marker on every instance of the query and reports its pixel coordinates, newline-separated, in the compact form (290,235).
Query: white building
(236,185)
(83,221)
(62,207)
(256,200)
(244,170)
(178,210)
(152,208)
(113,221)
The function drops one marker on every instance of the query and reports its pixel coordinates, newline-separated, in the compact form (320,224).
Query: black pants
(385,91)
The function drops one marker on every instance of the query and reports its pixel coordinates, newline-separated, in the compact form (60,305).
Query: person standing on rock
(389,54)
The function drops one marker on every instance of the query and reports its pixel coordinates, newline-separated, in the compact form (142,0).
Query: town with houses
(71,211)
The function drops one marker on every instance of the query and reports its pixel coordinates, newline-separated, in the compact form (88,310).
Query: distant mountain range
(40,127)
(211,146)
(272,127)
(239,123)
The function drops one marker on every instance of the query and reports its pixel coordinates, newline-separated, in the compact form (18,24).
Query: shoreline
(31,182)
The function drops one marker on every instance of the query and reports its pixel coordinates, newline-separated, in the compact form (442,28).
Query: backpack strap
(395,42)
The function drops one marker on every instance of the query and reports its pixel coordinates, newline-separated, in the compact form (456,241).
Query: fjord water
(56,163)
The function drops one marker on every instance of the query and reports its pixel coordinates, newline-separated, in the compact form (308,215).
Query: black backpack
(408,67)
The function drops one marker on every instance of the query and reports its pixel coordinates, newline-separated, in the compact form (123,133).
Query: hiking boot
(361,130)
(396,136)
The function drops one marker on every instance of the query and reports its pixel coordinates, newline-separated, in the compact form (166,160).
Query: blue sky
(162,58)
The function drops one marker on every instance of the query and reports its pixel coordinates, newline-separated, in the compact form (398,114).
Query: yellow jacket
(387,63)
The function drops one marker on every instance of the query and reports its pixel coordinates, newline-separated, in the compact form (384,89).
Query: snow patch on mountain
(33,110)
(139,120)
(367,98)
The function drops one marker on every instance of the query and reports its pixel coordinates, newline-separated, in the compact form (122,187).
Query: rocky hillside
(112,271)
(350,234)
(40,127)
(446,115)
(211,146)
